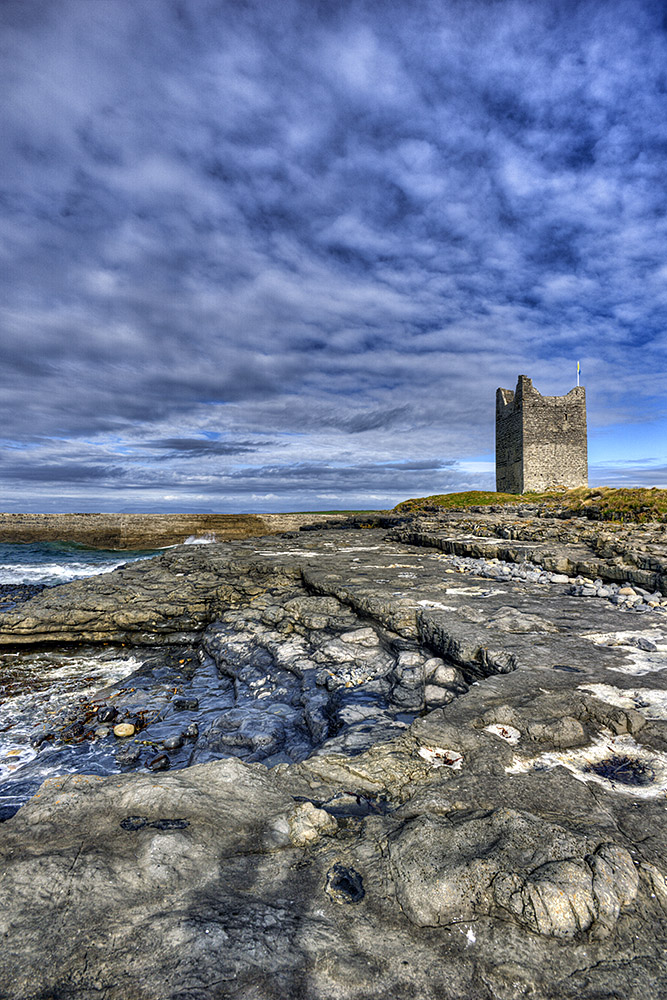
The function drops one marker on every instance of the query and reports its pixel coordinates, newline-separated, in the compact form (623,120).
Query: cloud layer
(272,256)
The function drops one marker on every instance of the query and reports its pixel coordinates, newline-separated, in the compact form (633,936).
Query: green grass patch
(605,503)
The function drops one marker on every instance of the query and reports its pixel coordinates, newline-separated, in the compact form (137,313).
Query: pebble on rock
(185,704)
(123,729)
(308,823)
(173,742)
(107,713)
(128,754)
(159,763)
(76,729)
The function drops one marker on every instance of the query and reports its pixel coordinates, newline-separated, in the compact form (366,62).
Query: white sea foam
(53,573)
(206,539)
(44,686)
(52,563)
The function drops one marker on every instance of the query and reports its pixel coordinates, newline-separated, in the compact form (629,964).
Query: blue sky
(278,256)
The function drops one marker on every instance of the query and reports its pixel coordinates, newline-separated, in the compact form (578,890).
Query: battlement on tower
(541,441)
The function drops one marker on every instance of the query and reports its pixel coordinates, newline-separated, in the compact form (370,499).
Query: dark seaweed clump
(624,769)
(133,823)
(344,885)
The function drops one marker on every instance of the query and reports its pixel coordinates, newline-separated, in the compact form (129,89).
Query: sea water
(39,685)
(52,563)
(50,697)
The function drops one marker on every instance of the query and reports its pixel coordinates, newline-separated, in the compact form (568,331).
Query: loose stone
(173,742)
(107,713)
(159,763)
(185,704)
(123,729)
(37,741)
(308,823)
(128,754)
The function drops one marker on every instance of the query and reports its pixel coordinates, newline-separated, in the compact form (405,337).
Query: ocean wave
(52,563)
(54,573)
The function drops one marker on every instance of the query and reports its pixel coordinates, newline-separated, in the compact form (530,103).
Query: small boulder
(443,675)
(435,696)
(307,824)
(185,704)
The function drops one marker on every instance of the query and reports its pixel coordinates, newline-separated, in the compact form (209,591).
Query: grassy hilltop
(601,504)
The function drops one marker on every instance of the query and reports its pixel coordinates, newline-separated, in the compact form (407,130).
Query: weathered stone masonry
(540,440)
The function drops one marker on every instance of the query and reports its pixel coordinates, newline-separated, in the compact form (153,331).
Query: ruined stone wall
(541,441)
(509,443)
(554,440)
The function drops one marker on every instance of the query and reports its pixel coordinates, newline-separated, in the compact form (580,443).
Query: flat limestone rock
(507,840)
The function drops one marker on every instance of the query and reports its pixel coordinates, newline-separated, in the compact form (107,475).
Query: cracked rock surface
(391,775)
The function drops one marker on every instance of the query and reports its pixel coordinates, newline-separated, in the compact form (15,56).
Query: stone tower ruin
(540,440)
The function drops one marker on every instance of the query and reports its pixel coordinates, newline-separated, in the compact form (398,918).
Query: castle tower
(540,440)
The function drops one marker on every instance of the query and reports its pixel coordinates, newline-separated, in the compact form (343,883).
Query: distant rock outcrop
(145,531)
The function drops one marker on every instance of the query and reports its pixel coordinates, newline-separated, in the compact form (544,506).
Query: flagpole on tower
(578,366)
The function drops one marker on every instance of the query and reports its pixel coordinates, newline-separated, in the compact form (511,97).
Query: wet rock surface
(12,594)
(362,766)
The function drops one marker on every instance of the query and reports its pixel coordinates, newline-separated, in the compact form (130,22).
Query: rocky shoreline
(423,759)
(151,531)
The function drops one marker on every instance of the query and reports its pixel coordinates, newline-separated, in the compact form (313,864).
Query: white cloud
(327,232)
